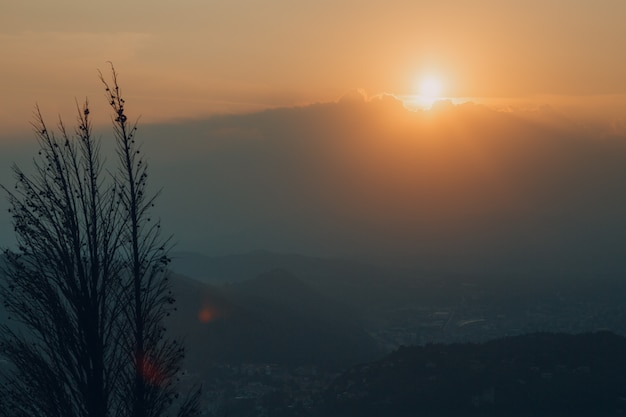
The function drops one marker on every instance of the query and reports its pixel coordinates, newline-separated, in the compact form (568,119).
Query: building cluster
(263,389)
(477,319)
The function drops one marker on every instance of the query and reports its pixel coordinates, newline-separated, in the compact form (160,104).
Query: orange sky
(190,57)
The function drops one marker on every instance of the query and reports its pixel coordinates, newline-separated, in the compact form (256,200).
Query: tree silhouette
(87,288)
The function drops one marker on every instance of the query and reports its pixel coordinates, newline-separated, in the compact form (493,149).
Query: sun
(430,87)
(428,90)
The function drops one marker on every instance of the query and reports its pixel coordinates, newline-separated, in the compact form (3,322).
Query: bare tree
(88,285)
(63,283)
(156,359)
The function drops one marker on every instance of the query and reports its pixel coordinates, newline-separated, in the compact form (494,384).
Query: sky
(190,58)
(306,126)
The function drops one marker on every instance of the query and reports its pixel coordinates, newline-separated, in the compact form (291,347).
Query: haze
(293,126)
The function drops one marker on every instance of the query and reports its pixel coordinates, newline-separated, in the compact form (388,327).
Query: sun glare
(429,90)
(430,87)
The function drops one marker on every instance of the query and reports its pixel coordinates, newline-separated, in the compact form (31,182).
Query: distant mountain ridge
(360,285)
(245,266)
(274,318)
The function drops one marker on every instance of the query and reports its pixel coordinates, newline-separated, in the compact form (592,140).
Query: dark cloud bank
(458,188)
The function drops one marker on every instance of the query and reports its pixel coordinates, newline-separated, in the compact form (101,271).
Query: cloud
(461,184)
(460,187)
(354,96)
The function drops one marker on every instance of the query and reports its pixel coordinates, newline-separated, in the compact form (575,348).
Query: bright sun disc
(430,87)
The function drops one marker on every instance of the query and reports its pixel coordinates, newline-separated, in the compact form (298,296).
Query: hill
(273,319)
(367,288)
(541,374)
(402,306)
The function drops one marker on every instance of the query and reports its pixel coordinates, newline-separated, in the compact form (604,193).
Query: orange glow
(429,88)
(206,314)
(494,50)
(150,373)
